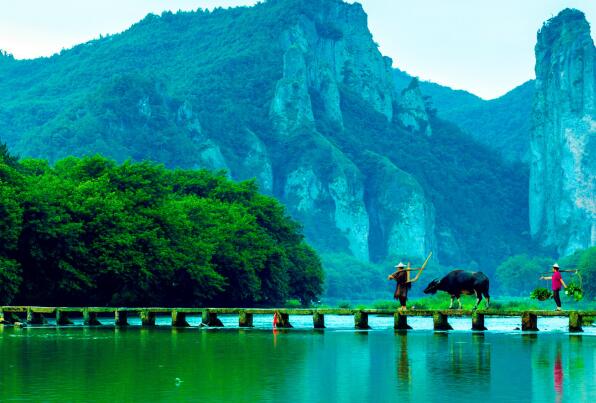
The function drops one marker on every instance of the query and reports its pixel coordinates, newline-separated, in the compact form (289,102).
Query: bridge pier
(62,318)
(529,322)
(478,321)
(120,318)
(400,321)
(179,319)
(147,318)
(440,321)
(210,319)
(8,318)
(245,319)
(282,320)
(318,320)
(90,318)
(575,322)
(361,320)
(35,318)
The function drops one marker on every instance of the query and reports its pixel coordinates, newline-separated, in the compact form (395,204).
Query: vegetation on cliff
(94,232)
(195,89)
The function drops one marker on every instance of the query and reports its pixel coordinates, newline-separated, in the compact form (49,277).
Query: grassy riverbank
(442,301)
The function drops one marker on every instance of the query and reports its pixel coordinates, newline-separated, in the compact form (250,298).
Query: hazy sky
(485,47)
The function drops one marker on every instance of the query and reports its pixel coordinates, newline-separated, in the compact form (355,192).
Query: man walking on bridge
(402,277)
(557,282)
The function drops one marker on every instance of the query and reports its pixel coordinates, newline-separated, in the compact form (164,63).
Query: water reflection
(558,376)
(288,365)
(404,373)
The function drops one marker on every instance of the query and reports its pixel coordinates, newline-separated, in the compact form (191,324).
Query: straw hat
(556,266)
(400,265)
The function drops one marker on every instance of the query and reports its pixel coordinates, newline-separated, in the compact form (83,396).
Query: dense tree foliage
(585,261)
(350,279)
(90,231)
(520,274)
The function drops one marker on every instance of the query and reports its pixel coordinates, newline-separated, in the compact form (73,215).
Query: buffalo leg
(478,299)
(459,302)
(487,298)
(451,304)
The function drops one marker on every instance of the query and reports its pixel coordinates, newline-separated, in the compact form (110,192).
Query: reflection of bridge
(91,315)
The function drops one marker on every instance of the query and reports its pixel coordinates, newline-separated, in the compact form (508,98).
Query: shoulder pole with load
(420,270)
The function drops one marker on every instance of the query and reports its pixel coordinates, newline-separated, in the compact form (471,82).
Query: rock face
(327,53)
(331,48)
(328,199)
(402,219)
(563,144)
(412,113)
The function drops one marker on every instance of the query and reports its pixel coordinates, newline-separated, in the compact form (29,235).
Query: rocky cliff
(327,53)
(503,124)
(563,144)
(292,93)
(412,110)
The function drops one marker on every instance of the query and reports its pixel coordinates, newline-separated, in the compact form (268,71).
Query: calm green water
(107,364)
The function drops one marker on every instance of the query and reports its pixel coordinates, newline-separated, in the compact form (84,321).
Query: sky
(484,47)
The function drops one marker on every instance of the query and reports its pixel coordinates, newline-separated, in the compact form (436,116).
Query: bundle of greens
(541,294)
(574,291)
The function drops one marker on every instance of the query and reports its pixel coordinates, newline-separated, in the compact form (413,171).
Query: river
(337,364)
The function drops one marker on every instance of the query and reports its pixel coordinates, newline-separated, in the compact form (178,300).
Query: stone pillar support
(147,318)
(210,319)
(440,321)
(120,318)
(400,321)
(90,318)
(35,318)
(179,319)
(62,318)
(478,321)
(361,320)
(575,322)
(529,322)
(282,320)
(245,319)
(2,319)
(318,320)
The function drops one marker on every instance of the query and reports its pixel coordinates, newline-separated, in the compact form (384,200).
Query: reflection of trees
(469,362)
(460,362)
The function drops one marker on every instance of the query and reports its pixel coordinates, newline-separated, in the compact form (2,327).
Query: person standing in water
(402,278)
(557,282)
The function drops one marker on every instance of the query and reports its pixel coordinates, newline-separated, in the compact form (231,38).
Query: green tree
(583,260)
(90,231)
(519,275)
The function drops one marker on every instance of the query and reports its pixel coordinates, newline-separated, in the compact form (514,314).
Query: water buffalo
(459,282)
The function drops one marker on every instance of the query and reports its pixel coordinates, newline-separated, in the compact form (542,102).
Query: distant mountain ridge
(503,123)
(294,94)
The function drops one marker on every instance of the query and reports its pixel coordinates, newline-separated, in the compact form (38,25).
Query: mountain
(503,123)
(292,93)
(563,145)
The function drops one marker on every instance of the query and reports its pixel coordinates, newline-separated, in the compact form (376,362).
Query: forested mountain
(294,94)
(502,124)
